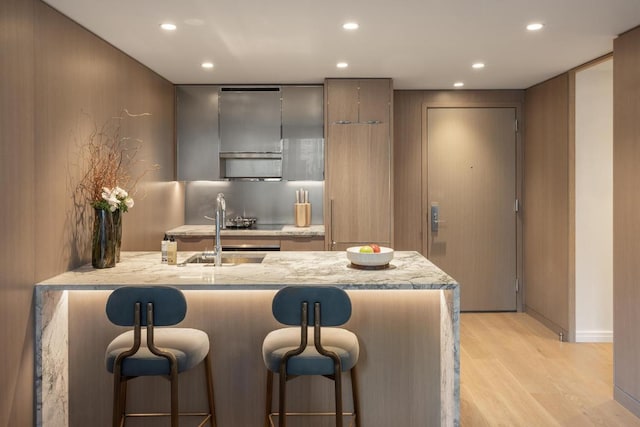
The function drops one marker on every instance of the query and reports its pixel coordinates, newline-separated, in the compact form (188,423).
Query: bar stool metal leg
(209,374)
(338,391)
(282,400)
(356,396)
(269,401)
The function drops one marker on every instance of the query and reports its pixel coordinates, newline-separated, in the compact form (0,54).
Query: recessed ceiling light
(207,65)
(342,65)
(168,26)
(535,26)
(351,26)
(478,65)
(458,84)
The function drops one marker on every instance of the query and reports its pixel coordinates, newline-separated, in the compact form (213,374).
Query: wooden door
(471,203)
(358,184)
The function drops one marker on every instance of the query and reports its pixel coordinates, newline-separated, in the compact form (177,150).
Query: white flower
(117,198)
(106,193)
(120,193)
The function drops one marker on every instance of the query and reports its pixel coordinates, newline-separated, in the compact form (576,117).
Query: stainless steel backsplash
(270,202)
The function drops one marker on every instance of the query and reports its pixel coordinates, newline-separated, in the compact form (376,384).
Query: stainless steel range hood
(271,132)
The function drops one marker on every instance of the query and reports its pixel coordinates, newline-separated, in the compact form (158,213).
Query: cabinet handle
(343,122)
(373,122)
(333,242)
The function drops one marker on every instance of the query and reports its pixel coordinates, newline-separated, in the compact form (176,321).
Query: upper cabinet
(256,133)
(358,100)
(197,133)
(303,133)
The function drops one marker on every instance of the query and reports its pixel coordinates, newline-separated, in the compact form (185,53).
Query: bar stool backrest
(335,305)
(169,305)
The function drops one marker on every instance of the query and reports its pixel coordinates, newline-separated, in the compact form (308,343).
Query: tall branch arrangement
(109,160)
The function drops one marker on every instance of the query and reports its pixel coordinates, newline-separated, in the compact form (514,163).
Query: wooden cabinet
(302,243)
(284,243)
(358,101)
(199,243)
(358,170)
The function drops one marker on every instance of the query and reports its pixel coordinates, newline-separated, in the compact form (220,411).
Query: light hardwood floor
(515,372)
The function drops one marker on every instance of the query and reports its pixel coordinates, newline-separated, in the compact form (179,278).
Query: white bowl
(368,259)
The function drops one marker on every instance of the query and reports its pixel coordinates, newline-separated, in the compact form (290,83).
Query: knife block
(302,214)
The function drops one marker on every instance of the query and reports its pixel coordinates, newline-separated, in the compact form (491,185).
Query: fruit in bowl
(370,255)
(371,248)
(367,249)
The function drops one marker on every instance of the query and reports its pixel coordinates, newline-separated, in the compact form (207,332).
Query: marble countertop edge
(284,231)
(409,271)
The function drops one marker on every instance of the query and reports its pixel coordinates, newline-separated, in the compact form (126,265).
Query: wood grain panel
(342,100)
(410,154)
(472,166)
(407,159)
(302,244)
(237,322)
(626,226)
(374,100)
(81,82)
(17,184)
(546,206)
(359,183)
(55,74)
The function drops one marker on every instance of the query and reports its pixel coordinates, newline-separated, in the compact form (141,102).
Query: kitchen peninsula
(406,318)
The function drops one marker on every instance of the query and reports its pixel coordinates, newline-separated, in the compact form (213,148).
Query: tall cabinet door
(358,168)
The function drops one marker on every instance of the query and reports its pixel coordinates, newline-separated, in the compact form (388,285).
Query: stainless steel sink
(227,258)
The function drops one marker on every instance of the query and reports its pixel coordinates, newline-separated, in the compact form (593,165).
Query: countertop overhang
(408,270)
(270,231)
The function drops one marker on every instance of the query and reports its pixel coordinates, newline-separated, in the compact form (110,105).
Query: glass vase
(117,225)
(103,254)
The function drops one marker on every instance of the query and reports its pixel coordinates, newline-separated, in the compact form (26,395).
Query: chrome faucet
(221,208)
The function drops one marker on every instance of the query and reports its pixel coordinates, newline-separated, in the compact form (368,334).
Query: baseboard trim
(594,336)
(626,400)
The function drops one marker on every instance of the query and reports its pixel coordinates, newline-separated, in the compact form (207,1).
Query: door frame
(486,102)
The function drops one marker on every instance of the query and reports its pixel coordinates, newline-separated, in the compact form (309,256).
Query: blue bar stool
(332,350)
(147,351)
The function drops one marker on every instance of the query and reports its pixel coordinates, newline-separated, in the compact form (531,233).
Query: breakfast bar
(406,318)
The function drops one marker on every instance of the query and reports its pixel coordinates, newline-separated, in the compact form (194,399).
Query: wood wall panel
(55,76)
(16,216)
(237,322)
(626,219)
(545,208)
(81,82)
(407,158)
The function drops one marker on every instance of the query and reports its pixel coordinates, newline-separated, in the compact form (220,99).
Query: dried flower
(109,157)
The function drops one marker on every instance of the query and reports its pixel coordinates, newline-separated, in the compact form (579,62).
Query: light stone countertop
(210,230)
(408,270)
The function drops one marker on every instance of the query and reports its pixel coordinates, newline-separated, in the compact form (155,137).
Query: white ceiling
(421,44)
